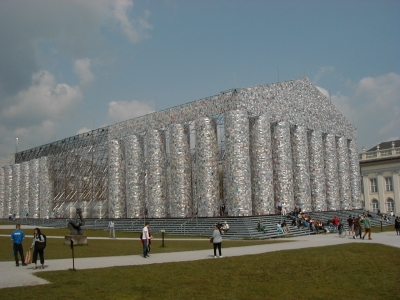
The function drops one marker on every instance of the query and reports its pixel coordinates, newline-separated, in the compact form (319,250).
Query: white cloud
(119,111)
(341,102)
(135,30)
(73,29)
(374,107)
(322,72)
(44,99)
(34,114)
(82,70)
(83,130)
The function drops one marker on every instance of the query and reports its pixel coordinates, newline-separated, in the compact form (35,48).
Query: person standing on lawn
(17,236)
(111,229)
(38,245)
(217,241)
(145,239)
(367,227)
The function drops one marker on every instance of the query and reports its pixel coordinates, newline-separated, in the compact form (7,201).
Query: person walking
(350,222)
(38,245)
(367,227)
(111,229)
(397,225)
(357,228)
(217,241)
(145,239)
(17,236)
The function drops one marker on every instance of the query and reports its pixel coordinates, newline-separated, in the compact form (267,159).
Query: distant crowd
(356,224)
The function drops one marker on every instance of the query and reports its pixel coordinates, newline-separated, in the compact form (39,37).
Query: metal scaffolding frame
(79,172)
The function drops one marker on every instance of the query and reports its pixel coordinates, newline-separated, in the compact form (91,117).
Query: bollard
(162,235)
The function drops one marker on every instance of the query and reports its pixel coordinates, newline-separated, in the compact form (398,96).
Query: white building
(380,168)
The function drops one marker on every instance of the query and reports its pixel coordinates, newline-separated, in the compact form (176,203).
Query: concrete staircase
(240,227)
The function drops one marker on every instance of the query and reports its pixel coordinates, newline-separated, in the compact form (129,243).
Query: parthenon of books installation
(247,148)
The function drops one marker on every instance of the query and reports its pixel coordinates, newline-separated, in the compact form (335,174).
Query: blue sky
(71,66)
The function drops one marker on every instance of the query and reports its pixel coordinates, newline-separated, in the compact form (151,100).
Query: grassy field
(98,248)
(351,271)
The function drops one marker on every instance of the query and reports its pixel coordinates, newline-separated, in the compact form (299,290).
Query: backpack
(41,246)
(45,240)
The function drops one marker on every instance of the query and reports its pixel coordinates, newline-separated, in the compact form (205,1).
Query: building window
(374,185)
(390,205)
(375,205)
(389,184)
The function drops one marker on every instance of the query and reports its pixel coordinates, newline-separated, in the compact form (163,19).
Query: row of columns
(264,164)
(26,188)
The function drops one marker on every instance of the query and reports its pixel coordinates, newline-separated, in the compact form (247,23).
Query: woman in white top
(39,243)
(217,240)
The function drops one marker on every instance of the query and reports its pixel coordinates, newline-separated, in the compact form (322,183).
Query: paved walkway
(11,276)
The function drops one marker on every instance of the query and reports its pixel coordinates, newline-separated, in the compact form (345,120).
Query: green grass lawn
(351,271)
(97,248)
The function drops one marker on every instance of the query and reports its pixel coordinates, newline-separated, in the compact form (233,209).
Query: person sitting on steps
(225,227)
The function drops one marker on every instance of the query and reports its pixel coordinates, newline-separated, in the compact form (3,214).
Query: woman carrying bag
(38,244)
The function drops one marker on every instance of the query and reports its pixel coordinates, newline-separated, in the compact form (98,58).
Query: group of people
(356,224)
(38,245)
(280,227)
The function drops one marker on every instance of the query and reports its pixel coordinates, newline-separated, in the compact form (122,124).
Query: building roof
(385,145)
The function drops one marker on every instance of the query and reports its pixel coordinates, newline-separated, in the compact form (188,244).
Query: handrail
(183,225)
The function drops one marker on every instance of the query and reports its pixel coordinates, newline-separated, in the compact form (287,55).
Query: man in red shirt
(335,222)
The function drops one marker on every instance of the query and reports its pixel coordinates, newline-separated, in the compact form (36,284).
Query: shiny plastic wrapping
(152,165)
(193,205)
(116,180)
(237,164)
(180,183)
(355,180)
(343,173)
(331,172)
(261,166)
(8,180)
(45,188)
(24,188)
(2,213)
(15,186)
(207,188)
(134,164)
(317,171)
(156,185)
(34,204)
(283,168)
(301,167)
